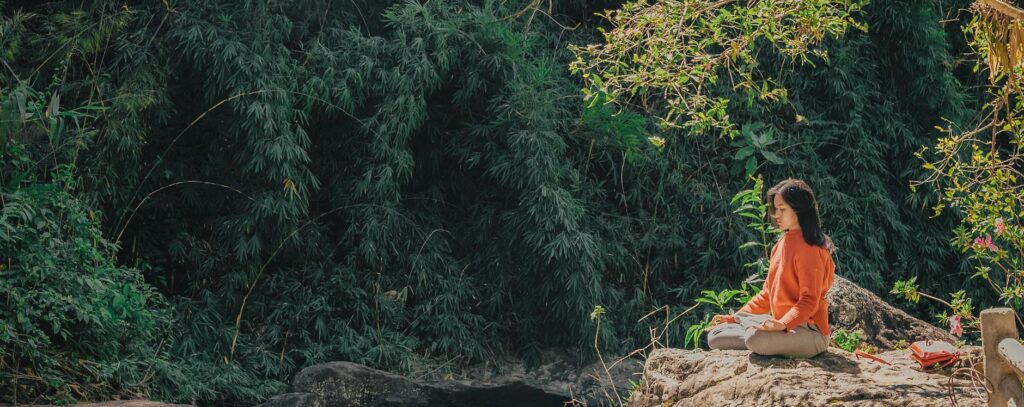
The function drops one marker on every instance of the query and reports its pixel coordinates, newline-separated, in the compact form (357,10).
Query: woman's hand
(722,319)
(771,325)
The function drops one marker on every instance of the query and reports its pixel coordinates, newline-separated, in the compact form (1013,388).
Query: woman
(800,272)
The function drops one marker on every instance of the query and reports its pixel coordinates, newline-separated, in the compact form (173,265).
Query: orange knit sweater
(799,275)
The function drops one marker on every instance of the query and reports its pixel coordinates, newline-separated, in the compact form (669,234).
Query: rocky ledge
(677,377)
(883,325)
(680,378)
(554,383)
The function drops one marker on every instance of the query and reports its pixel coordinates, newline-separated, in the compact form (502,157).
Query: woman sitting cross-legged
(800,272)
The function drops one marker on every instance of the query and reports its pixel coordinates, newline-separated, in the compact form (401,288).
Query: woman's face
(785,218)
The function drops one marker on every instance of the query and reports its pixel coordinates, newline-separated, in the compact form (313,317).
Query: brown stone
(680,378)
(856,308)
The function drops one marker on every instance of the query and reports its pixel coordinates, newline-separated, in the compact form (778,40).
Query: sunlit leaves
(669,56)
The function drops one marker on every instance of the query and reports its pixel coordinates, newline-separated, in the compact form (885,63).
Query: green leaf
(744,153)
(751,215)
(774,158)
(748,245)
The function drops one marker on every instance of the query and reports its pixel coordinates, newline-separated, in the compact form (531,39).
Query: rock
(556,374)
(853,308)
(115,403)
(347,384)
(560,375)
(294,400)
(595,386)
(677,377)
(472,393)
(352,384)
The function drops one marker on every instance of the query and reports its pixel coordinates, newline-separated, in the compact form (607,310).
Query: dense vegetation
(202,197)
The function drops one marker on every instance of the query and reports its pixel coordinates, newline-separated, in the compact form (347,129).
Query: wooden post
(998,324)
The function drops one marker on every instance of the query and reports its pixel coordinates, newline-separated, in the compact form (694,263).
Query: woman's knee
(761,342)
(726,338)
(782,344)
(715,340)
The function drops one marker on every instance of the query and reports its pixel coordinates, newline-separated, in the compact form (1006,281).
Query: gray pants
(804,342)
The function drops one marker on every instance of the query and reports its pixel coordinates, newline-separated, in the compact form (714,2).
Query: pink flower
(986,243)
(1000,226)
(954,326)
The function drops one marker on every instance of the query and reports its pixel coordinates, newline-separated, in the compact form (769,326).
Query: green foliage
(718,302)
(754,143)
(907,289)
(672,54)
(960,303)
(974,168)
(719,299)
(76,324)
(631,128)
(405,184)
(846,339)
(695,331)
(750,204)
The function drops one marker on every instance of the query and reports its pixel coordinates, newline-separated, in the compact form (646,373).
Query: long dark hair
(799,196)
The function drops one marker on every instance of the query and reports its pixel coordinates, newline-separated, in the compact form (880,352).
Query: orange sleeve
(760,303)
(809,271)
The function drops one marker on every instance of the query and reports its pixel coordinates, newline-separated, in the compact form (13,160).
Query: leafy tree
(75,324)
(417,185)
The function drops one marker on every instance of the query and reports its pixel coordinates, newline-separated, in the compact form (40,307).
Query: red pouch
(929,353)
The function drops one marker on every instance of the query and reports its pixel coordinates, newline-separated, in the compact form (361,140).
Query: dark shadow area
(510,395)
(827,361)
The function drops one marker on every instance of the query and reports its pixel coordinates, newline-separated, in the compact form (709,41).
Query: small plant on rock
(846,339)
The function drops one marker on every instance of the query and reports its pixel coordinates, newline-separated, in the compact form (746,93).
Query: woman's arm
(810,270)
(759,304)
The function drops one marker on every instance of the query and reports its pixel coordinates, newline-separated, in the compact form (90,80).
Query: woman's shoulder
(814,253)
(799,246)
